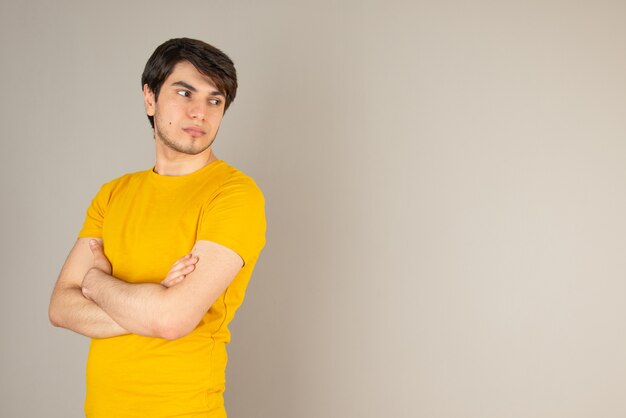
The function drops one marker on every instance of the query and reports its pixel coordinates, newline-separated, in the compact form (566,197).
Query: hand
(101,264)
(180,269)
(100,261)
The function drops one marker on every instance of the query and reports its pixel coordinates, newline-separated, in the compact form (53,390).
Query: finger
(191,261)
(169,282)
(178,276)
(169,278)
(181,262)
(99,259)
(96,247)
(182,270)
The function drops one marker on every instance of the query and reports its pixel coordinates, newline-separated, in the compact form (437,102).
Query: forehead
(185,71)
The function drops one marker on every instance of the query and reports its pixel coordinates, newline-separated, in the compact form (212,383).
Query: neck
(177,164)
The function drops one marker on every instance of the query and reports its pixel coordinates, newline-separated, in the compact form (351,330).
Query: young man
(164,256)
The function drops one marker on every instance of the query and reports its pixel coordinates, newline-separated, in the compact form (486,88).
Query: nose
(198,110)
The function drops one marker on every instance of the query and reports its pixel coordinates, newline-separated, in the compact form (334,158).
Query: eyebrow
(195,90)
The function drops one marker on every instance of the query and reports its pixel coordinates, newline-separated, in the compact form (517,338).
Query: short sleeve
(92,227)
(235,218)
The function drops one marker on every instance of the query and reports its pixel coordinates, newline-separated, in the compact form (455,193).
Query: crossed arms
(87,299)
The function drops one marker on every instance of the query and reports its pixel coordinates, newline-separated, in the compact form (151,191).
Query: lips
(194,131)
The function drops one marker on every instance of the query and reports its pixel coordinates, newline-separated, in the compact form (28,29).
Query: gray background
(445,197)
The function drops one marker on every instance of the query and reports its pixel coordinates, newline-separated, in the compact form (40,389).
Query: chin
(192,150)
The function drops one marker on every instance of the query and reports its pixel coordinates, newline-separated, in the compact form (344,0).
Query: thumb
(96,248)
(100,260)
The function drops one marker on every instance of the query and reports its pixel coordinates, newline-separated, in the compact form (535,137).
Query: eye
(184,93)
(215,102)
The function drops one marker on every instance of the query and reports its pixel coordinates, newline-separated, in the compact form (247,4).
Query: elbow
(58,313)
(172,333)
(172,328)
(53,316)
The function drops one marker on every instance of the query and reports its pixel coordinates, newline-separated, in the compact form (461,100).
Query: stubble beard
(160,135)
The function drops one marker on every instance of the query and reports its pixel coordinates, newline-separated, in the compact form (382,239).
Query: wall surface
(445,186)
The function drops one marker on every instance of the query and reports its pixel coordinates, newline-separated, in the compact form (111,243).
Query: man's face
(188,112)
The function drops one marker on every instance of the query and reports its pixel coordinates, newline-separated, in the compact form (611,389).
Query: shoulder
(234,216)
(233,181)
(121,182)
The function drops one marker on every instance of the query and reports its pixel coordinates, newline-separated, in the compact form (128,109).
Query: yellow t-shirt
(147,222)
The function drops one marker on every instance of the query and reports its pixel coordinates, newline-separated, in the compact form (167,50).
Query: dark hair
(207,59)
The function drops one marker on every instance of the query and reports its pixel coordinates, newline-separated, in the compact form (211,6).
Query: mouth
(194,131)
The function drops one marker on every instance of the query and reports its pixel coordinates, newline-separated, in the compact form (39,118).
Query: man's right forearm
(70,309)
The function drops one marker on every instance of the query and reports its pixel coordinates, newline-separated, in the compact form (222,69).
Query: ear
(148,100)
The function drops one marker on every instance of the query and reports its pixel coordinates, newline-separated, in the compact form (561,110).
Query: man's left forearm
(138,307)
(168,310)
